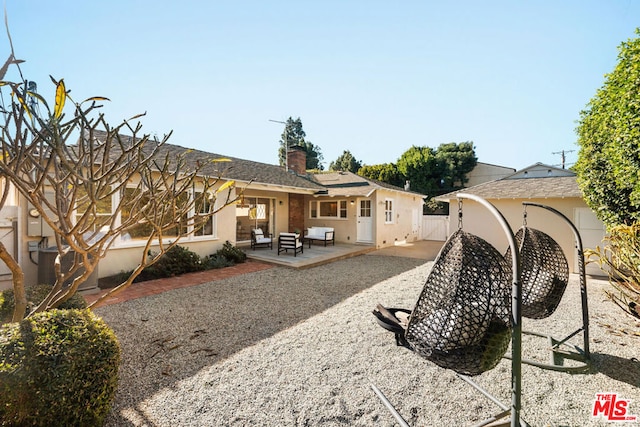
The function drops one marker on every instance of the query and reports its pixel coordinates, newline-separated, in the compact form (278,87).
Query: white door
(592,231)
(365,221)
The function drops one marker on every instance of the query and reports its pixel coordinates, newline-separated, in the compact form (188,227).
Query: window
(142,229)
(328,209)
(102,214)
(388,211)
(365,208)
(203,206)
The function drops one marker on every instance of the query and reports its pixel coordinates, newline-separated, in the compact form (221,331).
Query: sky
(371,77)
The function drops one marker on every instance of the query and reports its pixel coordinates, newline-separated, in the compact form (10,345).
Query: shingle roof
(245,170)
(343,183)
(237,169)
(523,188)
(326,183)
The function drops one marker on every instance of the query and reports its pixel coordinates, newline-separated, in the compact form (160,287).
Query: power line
(563,153)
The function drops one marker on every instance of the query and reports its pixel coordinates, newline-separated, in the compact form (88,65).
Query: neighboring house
(484,172)
(539,183)
(272,198)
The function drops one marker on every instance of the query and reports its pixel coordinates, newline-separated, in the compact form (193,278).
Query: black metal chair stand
(465,338)
(560,349)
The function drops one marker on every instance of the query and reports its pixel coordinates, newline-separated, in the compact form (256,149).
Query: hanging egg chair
(544,274)
(461,319)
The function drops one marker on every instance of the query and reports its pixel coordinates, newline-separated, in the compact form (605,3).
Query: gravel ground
(301,348)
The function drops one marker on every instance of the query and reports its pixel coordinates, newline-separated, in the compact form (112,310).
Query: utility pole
(563,152)
(286,144)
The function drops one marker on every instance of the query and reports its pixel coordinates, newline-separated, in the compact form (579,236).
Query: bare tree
(91,184)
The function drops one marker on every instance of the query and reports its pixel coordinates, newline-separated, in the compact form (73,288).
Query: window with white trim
(102,211)
(204,207)
(141,230)
(388,211)
(328,209)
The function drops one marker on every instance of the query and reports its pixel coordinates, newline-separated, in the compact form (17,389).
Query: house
(484,172)
(371,211)
(538,183)
(272,198)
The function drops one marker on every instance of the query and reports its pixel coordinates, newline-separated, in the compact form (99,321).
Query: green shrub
(232,253)
(216,261)
(35,295)
(177,260)
(58,367)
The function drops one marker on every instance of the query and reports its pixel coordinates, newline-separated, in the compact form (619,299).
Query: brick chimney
(297,160)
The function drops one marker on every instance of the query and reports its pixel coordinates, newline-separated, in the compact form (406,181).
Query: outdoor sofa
(320,234)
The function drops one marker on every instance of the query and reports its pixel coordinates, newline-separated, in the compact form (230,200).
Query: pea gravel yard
(285,347)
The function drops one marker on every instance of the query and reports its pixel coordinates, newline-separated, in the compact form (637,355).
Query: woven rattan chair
(544,278)
(461,318)
(545,272)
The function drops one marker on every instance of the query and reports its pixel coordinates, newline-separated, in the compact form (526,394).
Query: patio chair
(291,241)
(259,239)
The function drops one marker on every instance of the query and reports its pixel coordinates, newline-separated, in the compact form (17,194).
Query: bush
(216,261)
(177,260)
(232,253)
(35,295)
(58,367)
(620,259)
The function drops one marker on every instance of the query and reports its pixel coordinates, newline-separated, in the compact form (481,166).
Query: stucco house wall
(479,221)
(407,209)
(540,184)
(403,228)
(255,180)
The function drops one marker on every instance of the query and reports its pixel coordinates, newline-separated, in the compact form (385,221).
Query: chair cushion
(258,232)
(263,239)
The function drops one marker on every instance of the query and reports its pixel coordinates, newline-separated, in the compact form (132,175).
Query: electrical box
(36,226)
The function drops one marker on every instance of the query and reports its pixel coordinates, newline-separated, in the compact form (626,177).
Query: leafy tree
(608,170)
(345,162)
(456,161)
(430,172)
(386,172)
(294,135)
(421,168)
(68,183)
(608,166)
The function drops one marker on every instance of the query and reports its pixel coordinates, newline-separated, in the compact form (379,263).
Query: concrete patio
(319,254)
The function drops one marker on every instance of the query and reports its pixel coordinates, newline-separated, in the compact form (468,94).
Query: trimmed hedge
(58,367)
(35,295)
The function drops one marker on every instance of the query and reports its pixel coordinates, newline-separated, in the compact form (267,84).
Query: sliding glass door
(251,213)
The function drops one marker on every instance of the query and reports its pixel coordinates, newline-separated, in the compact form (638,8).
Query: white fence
(435,227)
